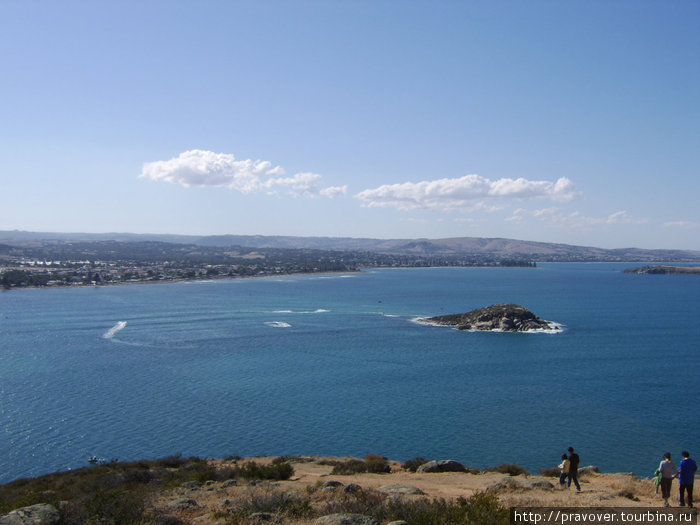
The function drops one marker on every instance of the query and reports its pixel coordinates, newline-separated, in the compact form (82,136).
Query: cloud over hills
(445,194)
(206,168)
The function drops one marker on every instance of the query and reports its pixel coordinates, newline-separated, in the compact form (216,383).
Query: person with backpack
(573,469)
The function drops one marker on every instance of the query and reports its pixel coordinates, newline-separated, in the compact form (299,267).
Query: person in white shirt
(564,470)
(668,472)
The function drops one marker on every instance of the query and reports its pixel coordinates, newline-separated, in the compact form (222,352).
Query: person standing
(668,472)
(564,470)
(686,477)
(574,460)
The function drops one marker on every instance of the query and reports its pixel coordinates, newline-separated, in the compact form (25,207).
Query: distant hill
(456,246)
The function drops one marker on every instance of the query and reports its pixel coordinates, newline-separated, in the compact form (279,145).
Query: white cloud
(459,193)
(688,225)
(334,191)
(556,217)
(206,168)
(517,216)
(544,212)
(300,184)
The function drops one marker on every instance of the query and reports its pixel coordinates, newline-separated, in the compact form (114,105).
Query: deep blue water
(334,364)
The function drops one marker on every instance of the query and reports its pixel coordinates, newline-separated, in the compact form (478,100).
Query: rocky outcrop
(401,489)
(40,514)
(346,519)
(591,469)
(444,465)
(505,317)
(183,503)
(512,484)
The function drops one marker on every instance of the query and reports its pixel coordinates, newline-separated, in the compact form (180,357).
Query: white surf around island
(556,328)
(109,334)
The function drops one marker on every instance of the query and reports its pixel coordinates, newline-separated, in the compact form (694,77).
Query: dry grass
(230,491)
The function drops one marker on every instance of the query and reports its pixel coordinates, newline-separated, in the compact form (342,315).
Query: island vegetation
(504,317)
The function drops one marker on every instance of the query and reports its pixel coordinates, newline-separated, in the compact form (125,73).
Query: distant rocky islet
(505,317)
(665,269)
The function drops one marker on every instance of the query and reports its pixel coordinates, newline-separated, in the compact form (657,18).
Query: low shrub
(377,464)
(347,468)
(483,508)
(120,493)
(255,471)
(115,506)
(509,468)
(270,500)
(367,502)
(372,463)
(175,461)
(479,509)
(291,459)
(413,464)
(329,462)
(117,491)
(553,472)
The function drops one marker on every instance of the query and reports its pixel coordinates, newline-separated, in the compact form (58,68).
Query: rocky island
(505,317)
(664,269)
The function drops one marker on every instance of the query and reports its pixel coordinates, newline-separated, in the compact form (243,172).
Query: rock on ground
(346,519)
(401,489)
(40,514)
(444,465)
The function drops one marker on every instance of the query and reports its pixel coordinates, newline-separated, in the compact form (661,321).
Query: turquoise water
(335,364)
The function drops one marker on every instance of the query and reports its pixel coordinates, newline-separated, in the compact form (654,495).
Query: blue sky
(554,121)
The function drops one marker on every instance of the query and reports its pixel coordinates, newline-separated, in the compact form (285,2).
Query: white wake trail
(116,328)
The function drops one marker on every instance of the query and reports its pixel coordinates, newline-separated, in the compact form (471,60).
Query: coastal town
(89,263)
(59,260)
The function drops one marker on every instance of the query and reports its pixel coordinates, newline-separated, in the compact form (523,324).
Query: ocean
(336,364)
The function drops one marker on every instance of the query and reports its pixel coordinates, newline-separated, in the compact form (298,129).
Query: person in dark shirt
(686,477)
(573,469)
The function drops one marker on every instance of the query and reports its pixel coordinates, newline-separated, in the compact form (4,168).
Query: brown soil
(597,490)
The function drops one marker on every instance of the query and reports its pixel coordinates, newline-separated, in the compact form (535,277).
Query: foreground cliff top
(307,490)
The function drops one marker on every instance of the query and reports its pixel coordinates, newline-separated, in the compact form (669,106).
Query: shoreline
(171,281)
(228,277)
(668,269)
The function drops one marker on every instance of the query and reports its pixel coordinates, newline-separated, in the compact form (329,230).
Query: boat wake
(278,324)
(317,311)
(109,334)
